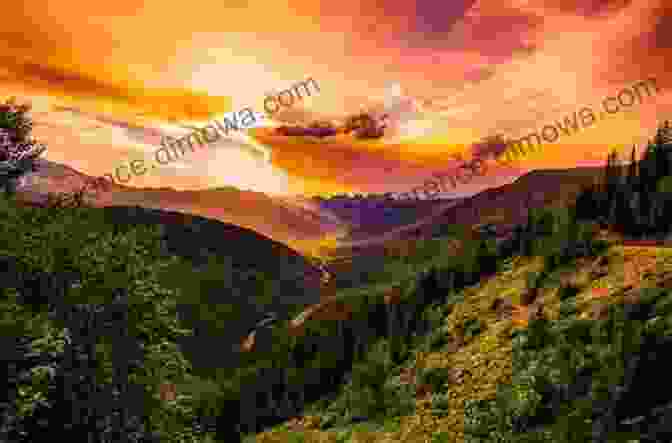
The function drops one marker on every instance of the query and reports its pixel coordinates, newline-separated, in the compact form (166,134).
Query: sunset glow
(105,79)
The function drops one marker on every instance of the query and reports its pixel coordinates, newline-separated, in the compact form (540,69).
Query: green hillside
(127,297)
(565,342)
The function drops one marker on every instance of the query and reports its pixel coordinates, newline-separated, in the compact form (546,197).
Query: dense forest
(120,325)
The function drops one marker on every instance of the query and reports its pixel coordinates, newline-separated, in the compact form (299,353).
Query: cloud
(491,146)
(586,8)
(69,85)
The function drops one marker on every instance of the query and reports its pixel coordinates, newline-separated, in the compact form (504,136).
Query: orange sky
(104,77)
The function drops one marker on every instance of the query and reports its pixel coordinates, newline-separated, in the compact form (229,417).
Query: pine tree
(487,263)
(18,150)
(661,142)
(632,168)
(609,185)
(649,176)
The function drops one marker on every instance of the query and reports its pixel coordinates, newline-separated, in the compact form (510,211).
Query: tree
(663,145)
(487,262)
(18,150)
(632,168)
(92,293)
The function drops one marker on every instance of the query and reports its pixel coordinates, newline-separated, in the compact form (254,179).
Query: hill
(563,342)
(507,205)
(281,219)
(146,292)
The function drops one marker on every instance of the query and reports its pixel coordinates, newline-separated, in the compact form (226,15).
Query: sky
(107,79)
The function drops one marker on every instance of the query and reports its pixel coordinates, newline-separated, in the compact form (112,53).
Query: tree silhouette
(638,203)
(18,150)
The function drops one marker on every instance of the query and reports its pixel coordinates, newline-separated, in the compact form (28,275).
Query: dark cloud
(491,146)
(587,8)
(42,76)
(435,20)
(502,35)
(661,34)
(59,81)
(299,115)
(648,54)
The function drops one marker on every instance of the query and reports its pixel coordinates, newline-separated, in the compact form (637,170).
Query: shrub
(440,404)
(568,308)
(440,437)
(370,392)
(549,399)
(473,327)
(438,339)
(567,291)
(436,378)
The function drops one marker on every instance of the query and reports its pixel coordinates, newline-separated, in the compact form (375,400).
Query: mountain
(279,219)
(244,260)
(248,230)
(375,219)
(506,206)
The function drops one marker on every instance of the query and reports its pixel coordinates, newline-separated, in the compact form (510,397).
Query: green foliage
(441,437)
(370,392)
(568,307)
(640,204)
(549,358)
(440,403)
(438,339)
(67,266)
(436,378)
(473,327)
(18,150)
(567,291)
(664,184)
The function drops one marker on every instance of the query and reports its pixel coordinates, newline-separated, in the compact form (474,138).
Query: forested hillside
(124,324)
(565,342)
(90,274)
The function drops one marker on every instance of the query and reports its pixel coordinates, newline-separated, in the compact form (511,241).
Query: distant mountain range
(354,219)
(506,206)
(281,219)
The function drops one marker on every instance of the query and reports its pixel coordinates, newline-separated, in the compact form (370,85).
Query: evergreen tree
(587,205)
(114,325)
(632,168)
(648,169)
(487,262)
(622,212)
(663,145)
(18,150)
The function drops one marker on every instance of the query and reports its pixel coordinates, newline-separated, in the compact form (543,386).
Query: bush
(550,398)
(370,392)
(568,308)
(437,339)
(440,437)
(436,378)
(440,404)
(567,291)
(473,327)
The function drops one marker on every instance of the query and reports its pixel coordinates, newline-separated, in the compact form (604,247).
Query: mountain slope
(280,219)
(466,372)
(507,205)
(244,260)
